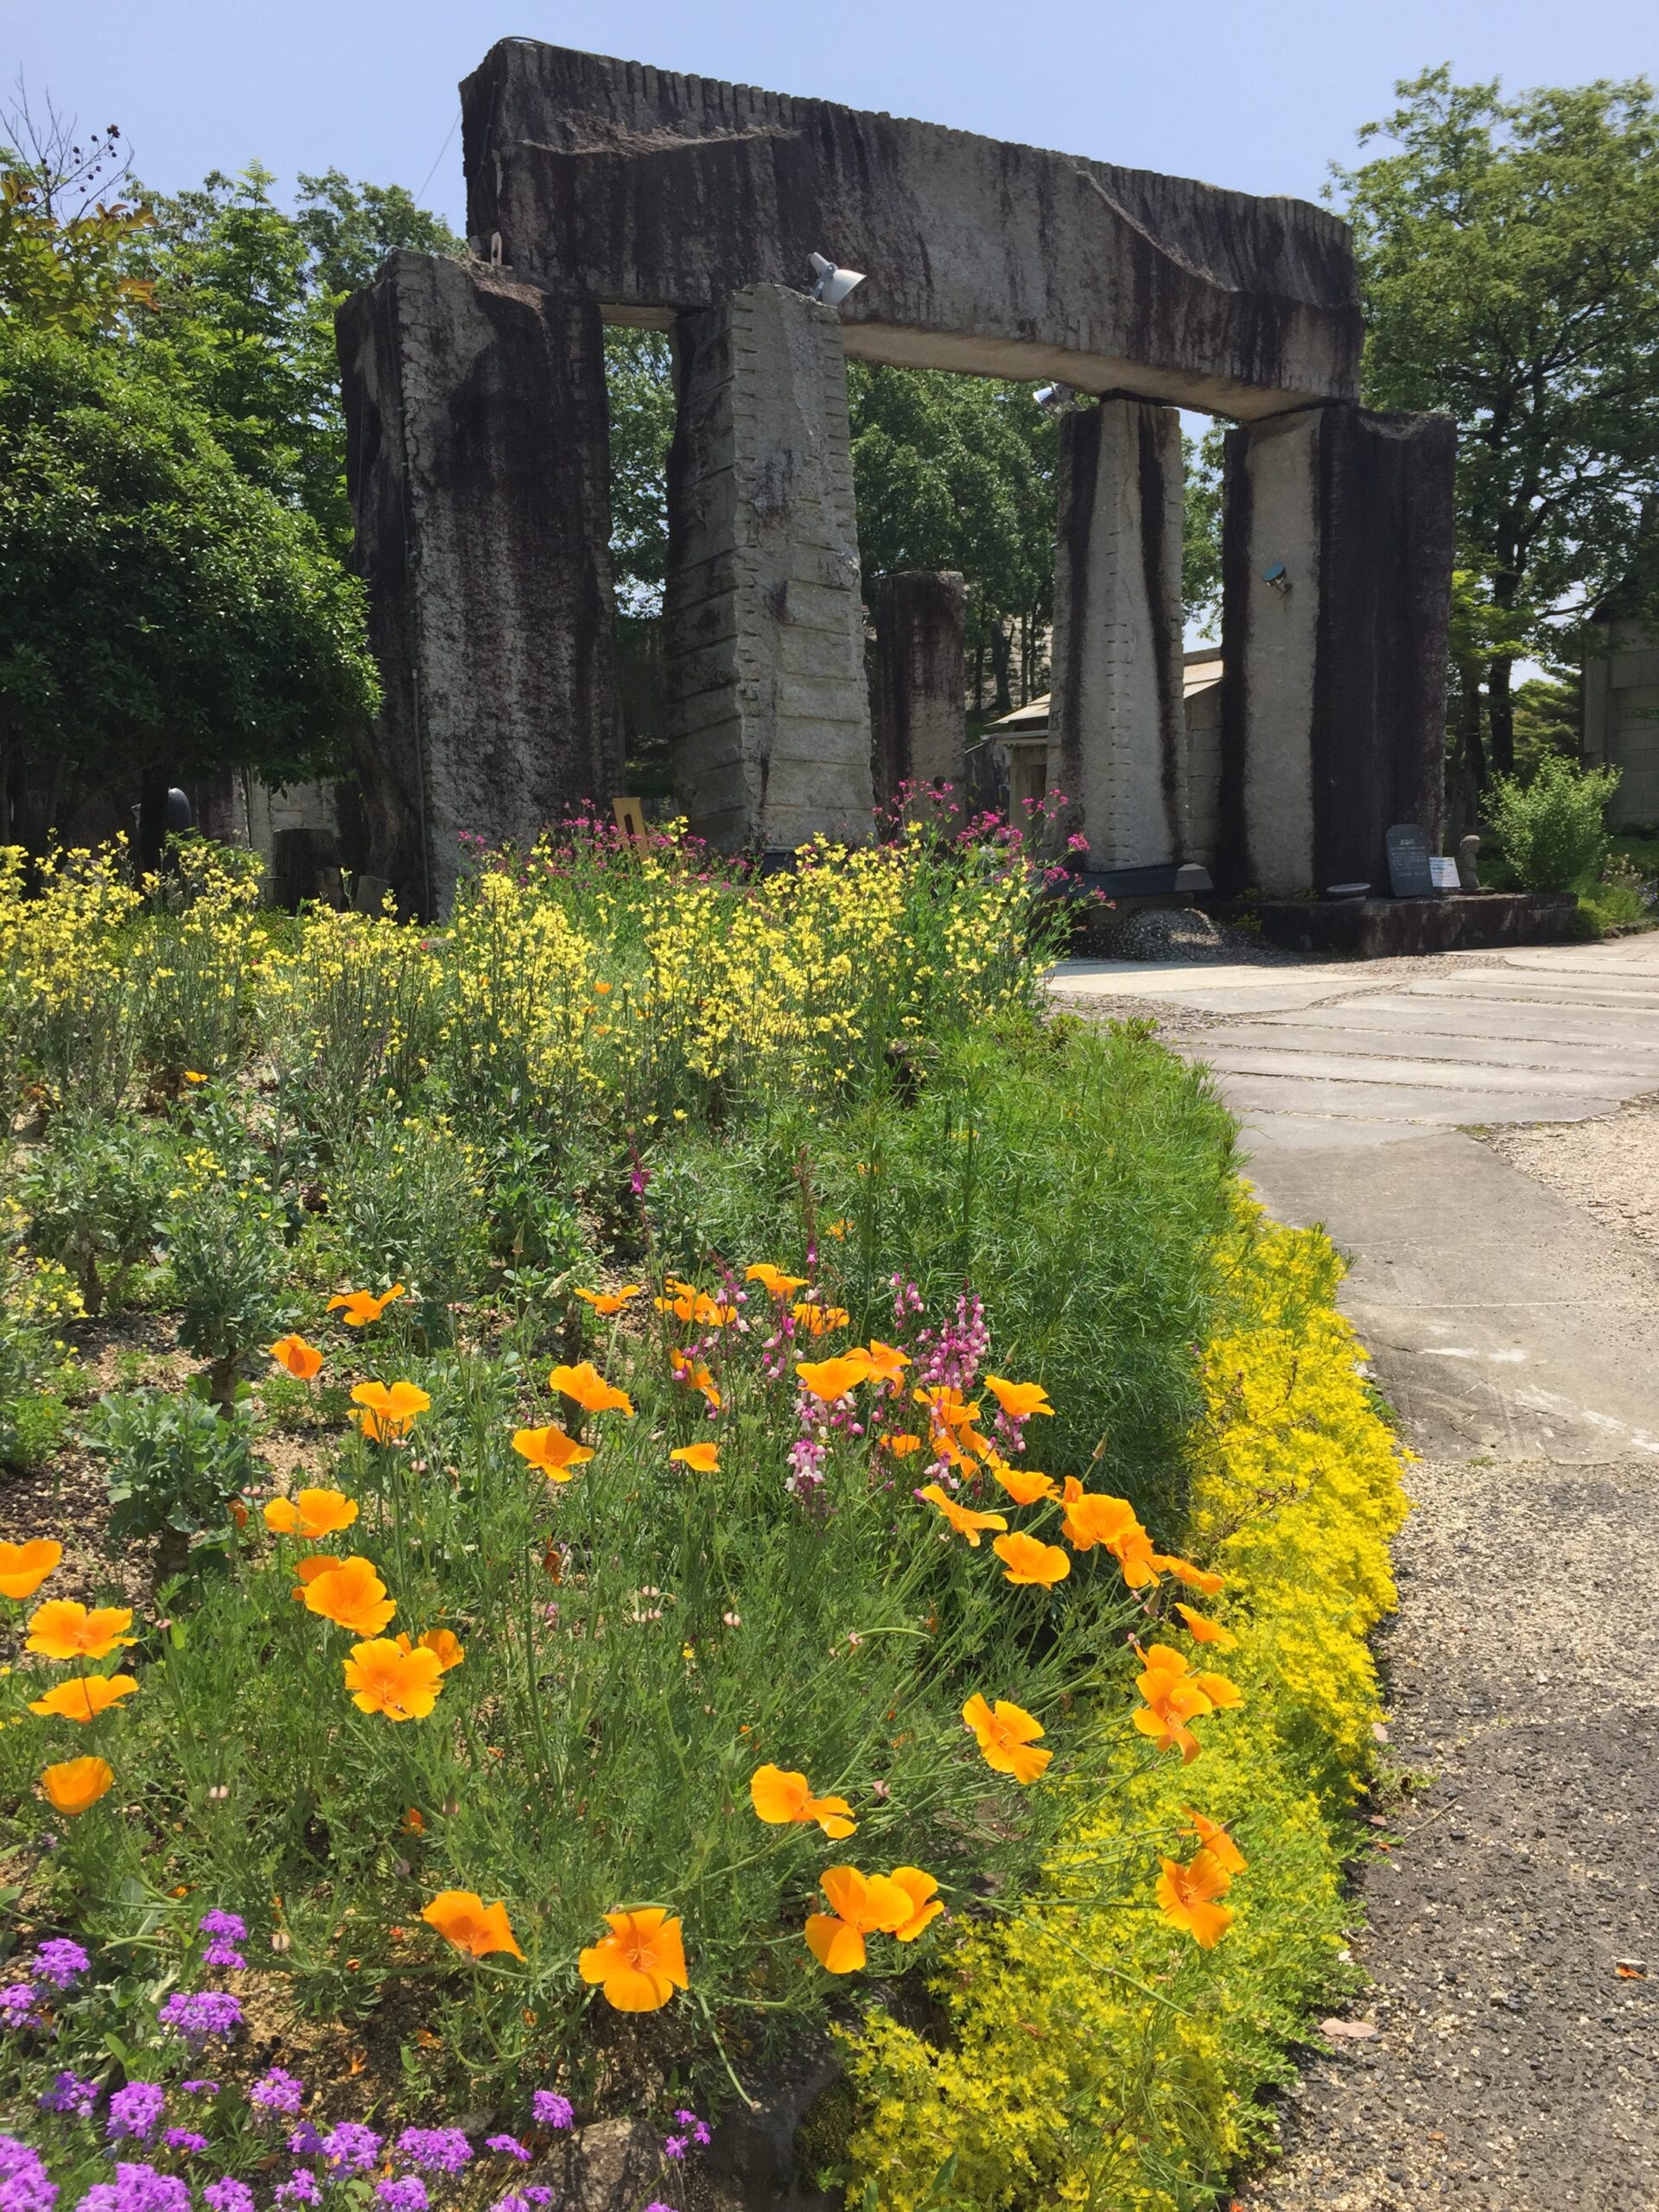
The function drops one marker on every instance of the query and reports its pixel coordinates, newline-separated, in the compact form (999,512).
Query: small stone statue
(1469,862)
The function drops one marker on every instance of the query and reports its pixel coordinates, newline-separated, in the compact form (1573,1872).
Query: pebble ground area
(1480,1135)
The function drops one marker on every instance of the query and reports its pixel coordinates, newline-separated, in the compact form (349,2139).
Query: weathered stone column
(478,462)
(1117,742)
(919,702)
(1337,573)
(768,706)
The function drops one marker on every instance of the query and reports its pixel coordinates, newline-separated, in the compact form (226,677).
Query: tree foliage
(156,607)
(66,236)
(1509,251)
(639,375)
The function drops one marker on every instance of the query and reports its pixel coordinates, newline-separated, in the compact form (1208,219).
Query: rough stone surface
(478,461)
(1117,736)
(1609,1168)
(662,192)
(768,702)
(918,703)
(1378,929)
(1333,705)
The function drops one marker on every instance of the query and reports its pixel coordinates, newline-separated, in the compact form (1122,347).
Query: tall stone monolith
(919,704)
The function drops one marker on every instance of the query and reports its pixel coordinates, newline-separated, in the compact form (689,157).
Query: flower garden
(663,1490)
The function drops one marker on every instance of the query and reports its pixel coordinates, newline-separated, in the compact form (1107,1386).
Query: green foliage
(639,370)
(1553,830)
(93,1195)
(155,606)
(407,1206)
(1201,529)
(33,1374)
(174,1467)
(67,237)
(225,1240)
(1509,256)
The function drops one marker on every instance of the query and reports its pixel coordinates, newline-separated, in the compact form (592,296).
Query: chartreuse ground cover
(658,1478)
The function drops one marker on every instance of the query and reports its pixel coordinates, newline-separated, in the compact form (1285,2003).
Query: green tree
(157,610)
(1509,250)
(1201,529)
(640,379)
(65,233)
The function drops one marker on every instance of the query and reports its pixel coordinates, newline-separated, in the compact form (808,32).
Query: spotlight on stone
(833,284)
(1055,399)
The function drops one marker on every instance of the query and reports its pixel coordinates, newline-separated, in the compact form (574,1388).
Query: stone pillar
(919,703)
(1338,546)
(1116,736)
(767,705)
(478,460)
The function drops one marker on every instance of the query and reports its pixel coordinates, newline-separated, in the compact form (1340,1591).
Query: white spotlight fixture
(832,285)
(1055,399)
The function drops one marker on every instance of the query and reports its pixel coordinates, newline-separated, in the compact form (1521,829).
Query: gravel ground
(1609,1167)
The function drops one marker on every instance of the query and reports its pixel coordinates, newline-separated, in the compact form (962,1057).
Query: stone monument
(602,190)
(919,702)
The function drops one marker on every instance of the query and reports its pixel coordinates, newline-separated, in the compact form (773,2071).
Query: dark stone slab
(478,461)
(656,191)
(1409,873)
(918,715)
(1452,921)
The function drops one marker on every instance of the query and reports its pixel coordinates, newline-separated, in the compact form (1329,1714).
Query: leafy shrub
(224,1240)
(1552,830)
(173,1468)
(34,1371)
(407,1205)
(199,945)
(93,1195)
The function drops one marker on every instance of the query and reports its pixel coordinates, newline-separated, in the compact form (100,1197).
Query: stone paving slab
(1475,1105)
(1366,1043)
(1465,1017)
(1307,1064)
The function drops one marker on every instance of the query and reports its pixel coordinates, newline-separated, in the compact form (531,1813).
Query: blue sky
(1247,93)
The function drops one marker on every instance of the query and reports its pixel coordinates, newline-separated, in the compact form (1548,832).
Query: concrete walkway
(1509,2046)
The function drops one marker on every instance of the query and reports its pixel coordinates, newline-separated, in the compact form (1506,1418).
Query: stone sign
(1409,873)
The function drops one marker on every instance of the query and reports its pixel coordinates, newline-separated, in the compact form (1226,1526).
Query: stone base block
(1375,929)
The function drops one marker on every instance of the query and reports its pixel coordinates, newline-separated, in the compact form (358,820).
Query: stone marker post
(478,459)
(1337,575)
(767,704)
(919,702)
(1117,739)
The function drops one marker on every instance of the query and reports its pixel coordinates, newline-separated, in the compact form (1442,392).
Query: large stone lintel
(478,463)
(657,192)
(1338,546)
(1117,742)
(768,711)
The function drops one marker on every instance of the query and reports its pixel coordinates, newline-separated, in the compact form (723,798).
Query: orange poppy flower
(62,1629)
(1226,1696)
(1173,1697)
(611,1301)
(782,1799)
(301,1360)
(310,1513)
(832,1380)
(773,1281)
(838,1230)
(353,1596)
(1006,1735)
(308,1569)
(1206,1632)
(462,1918)
(886,1364)
(1090,1518)
(1215,1840)
(926,1907)
(696,1306)
(445,1645)
(962,1519)
(1024,1485)
(83,1697)
(1196,1578)
(23,1568)
(819,1320)
(72,1785)
(359,1308)
(947,1407)
(702,1458)
(1019,1401)
(901,1444)
(388,1411)
(862,1905)
(1186,1898)
(1027,1560)
(694,1374)
(401,1683)
(586,1387)
(551,1450)
(640,1963)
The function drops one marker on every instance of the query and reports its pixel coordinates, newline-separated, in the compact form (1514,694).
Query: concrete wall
(657,192)
(1621,717)
(767,701)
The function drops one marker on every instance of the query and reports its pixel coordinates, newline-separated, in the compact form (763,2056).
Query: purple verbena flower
(183,2138)
(200,2015)
(199,2088)
(407,2195)
(229,2195)
(24,2184)
(60,1963)
(508,2145)
(511,2202)
(17,2005)
(434,2149)
(302,2187)
(305,2141)
(278,2092)
(219,1953)
(141,2189)
(134,2111)
(69,2093)
(351,2148)
(223,1924)
(674,2146)
(549,2110)
(538,2195)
